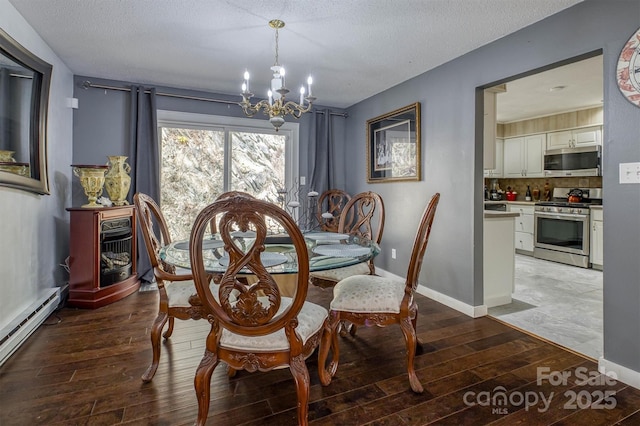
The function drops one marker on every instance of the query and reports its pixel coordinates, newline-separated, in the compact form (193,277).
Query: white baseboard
(472,311)
(622,374)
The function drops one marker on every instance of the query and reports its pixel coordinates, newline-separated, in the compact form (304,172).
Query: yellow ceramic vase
(117,180)
(7,156)
(92,181)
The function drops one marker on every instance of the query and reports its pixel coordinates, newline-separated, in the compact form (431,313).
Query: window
(203,156)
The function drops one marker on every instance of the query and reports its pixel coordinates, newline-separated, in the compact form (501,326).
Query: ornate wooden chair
(178,297)
(373,300)
(252,326)
(363,215)
(332,202)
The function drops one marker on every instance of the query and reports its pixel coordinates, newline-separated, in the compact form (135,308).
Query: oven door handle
(577,217)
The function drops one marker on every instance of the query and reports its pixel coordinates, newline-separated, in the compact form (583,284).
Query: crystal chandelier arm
(251,110)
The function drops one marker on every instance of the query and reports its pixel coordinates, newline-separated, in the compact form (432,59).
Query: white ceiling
(579,83)
(354,49)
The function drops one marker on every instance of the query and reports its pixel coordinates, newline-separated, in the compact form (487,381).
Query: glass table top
(327,250)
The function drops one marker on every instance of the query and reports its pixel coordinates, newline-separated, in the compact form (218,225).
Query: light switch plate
(629,172)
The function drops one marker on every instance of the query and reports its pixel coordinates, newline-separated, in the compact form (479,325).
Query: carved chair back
(154,230)
(420,245)
(242,308)
(331,201)
(363,216)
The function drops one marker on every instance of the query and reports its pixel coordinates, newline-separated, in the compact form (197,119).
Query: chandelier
(277,106)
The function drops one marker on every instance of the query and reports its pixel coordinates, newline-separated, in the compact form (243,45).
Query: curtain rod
(87,84)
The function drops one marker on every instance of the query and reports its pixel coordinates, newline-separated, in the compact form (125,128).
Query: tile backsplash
(520,185)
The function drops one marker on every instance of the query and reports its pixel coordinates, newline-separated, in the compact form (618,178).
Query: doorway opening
(534,112)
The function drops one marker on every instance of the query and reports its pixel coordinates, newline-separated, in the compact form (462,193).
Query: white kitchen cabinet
(596,247)
(524,228)
(587,136)
(499,258)
(489,130)
(497,171)
(523,156)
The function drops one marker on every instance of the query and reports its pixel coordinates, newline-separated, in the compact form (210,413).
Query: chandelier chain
(277,64)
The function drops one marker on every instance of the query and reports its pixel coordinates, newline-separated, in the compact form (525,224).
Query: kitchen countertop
(596,207)
(526,203)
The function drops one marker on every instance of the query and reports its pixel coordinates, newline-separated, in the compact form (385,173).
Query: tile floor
(558,302)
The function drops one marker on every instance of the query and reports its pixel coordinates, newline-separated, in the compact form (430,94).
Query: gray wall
(452,162)
(101,124)
(35,228)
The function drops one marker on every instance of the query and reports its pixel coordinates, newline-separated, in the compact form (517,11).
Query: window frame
(291,131)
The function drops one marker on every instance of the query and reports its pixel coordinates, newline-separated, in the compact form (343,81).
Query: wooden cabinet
(587,136)
(523,156)
(596,247)
(497,170)
(102,258)
(524,228)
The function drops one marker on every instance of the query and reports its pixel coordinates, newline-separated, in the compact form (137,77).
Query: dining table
(327,250)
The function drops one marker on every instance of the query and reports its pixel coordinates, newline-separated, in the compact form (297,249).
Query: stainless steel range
(561,228)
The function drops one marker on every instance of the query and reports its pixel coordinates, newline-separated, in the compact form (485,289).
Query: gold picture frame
(393,146)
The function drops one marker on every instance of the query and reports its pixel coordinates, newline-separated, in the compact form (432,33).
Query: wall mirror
(24,99)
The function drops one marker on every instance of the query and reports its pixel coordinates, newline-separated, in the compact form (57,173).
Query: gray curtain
(321,152)
(144,160)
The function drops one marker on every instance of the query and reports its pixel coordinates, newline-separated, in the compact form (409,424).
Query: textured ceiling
(353,49)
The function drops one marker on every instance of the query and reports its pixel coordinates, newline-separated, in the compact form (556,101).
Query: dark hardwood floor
(85,370)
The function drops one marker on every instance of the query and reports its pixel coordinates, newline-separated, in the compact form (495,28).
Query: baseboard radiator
(18,330)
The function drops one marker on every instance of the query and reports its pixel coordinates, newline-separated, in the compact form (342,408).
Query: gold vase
(7,156)
(92,181)
(117,180)
(9,164)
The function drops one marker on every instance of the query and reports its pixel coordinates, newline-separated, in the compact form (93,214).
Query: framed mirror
(24,99)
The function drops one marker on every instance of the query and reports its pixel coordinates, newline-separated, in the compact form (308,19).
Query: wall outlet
(629,172)
(393,253)
(303,180)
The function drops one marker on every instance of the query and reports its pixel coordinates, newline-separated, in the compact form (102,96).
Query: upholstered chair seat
(179,292)
(367,293)
(340,274)
(310,321)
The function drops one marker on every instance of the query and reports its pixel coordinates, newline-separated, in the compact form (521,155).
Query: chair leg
(156,329)
(301,377)
(329,340)
(202,384)
(169,331)
(231,372)
(410,337)
(414,323)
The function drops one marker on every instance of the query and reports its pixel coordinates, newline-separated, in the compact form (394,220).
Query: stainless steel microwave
(581,161)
